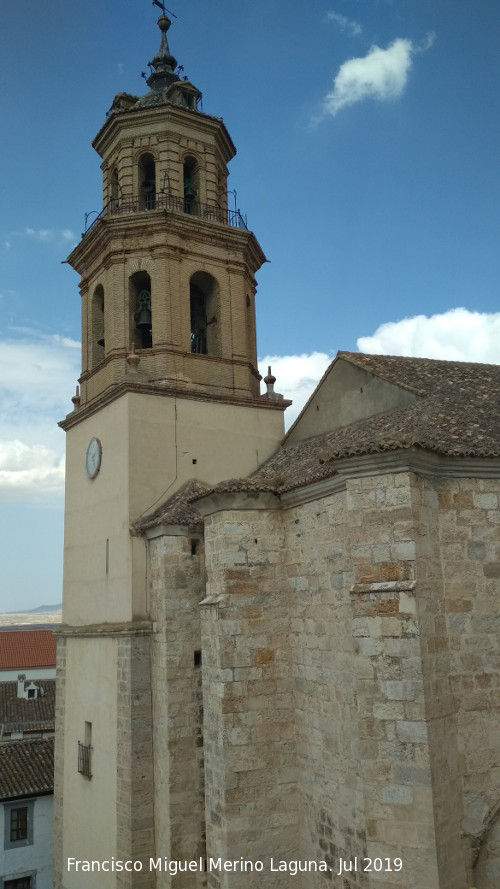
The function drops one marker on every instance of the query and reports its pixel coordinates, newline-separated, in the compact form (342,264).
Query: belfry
(169,395)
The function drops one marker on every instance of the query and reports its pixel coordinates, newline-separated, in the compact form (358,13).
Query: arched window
(147,182)
(141,319)
(97,333)
(203,300)
(191,186)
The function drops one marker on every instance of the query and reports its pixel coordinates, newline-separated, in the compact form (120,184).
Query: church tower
(169,392)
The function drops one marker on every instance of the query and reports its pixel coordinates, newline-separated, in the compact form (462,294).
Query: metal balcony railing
(84,760)
(144,203)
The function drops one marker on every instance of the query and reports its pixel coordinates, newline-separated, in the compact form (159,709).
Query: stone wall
(58,863)
(350,662)
(329,747)
(470,553)
(177,585)
(135,765)
(252,807)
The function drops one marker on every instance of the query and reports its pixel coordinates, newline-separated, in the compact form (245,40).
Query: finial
(133,359)
(76,398)
(270,381)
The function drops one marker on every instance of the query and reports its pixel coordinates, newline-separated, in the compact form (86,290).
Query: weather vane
(161,5)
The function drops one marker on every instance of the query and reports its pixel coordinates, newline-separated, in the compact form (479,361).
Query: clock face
(93,457)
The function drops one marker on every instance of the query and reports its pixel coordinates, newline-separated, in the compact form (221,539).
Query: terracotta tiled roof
(427,376)
(456,414)
(177,510)
(24,649)
(26,767)
(27,714)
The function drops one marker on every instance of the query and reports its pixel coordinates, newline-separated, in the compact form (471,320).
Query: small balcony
(85,759)
(145,203)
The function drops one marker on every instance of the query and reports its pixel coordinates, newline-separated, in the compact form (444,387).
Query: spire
(164,62)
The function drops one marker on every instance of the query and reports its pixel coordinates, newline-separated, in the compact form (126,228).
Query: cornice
(414,460)
(134,628)
(118,390)
(197,122)
(97,245)
(241,501)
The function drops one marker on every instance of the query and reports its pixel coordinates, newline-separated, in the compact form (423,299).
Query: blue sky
(368,165)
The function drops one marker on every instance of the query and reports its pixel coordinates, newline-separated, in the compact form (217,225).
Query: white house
(26,808)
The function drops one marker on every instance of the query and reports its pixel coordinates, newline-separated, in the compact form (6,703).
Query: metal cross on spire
(161,5)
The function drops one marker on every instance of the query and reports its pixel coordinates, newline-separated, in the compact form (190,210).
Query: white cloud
(46,235)
(40,234)
(296,377)
(37,378)
(29,473)
(345,24)
(456,335)
(382,75)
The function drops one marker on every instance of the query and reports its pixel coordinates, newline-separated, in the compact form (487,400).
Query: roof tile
(26,767)
(25,649)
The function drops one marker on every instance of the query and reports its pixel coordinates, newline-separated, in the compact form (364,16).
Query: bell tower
(167,270)
(169,392)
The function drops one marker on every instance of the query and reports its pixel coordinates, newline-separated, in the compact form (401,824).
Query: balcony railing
(84,760)
(172,204)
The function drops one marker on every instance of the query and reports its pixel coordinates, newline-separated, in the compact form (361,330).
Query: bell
(143,319)
(100,341)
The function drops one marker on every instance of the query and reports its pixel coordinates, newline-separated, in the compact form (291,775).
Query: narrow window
(18,823)
(85,752)
(198,321)
(141,333)
(204,305)
(191,186)
(115,190)
(97,333)
(147,182)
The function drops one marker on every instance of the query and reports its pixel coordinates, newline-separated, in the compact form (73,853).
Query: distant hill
(42,609)
(45,608)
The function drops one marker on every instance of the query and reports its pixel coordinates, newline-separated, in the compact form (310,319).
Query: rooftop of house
(19,714)
(452,409)
(26,768)
(26,649)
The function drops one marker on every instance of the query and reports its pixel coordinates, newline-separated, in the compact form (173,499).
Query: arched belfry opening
(204,311)
(147,182)
(141,319)
(191,182)
(97,331)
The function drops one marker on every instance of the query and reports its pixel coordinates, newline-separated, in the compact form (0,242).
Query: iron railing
(172,204)
(84,760)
